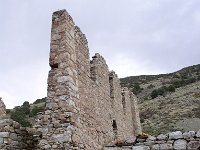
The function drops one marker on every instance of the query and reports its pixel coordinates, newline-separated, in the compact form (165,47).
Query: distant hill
(168,102)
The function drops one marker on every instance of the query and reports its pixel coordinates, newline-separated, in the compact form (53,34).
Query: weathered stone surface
(4,134)
(175,135)
(193,145)
(155,147)
(112,148)
(141,147)
(180,145)
(117,148)
(2,108)
(1,140)
(189,134)
(198,134)
(13,136)
(162,137)
(61,138)
(166,146)
(151,138)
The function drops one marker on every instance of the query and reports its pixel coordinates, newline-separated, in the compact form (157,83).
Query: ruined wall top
(2,108)
(82,36)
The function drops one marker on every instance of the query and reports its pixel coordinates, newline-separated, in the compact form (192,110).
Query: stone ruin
(86,106)
(2,109)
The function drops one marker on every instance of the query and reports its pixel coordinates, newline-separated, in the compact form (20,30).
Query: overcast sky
(135,37)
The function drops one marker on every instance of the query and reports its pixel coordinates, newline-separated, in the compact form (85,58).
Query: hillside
(168,102)
(26,113)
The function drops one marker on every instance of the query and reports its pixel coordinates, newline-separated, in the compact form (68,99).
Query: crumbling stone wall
(2,109)
(86,106)
(171,141)
(15,137)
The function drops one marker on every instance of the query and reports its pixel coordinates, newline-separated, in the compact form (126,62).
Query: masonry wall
(177,140)
(2,109)
(15,137)
(86,106)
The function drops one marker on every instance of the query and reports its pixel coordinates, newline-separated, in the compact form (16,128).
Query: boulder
(188,135)
(166,147)
(155,147)
(162,137)
(193,145)
(142,147)
(180,144)
(175,135)
(151,138)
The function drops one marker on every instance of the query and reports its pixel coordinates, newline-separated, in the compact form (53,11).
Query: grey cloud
(135,37)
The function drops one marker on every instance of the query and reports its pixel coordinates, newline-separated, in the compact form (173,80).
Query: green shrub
(141,120)
(162,91)
(171,88)
(154,94)
(19,116)
(36,110)
(136,88)
(25,108)
(40,100)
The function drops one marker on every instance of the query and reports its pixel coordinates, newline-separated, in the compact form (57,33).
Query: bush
(171,88)
(179,83)
(136,88)
(36,110)
(154,94)
(19,116)
(40,100)
(142,120)
(25,108)
(162,91)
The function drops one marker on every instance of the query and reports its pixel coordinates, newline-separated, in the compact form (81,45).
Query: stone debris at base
(172,141)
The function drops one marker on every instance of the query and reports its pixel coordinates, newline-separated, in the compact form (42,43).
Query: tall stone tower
(86,106)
